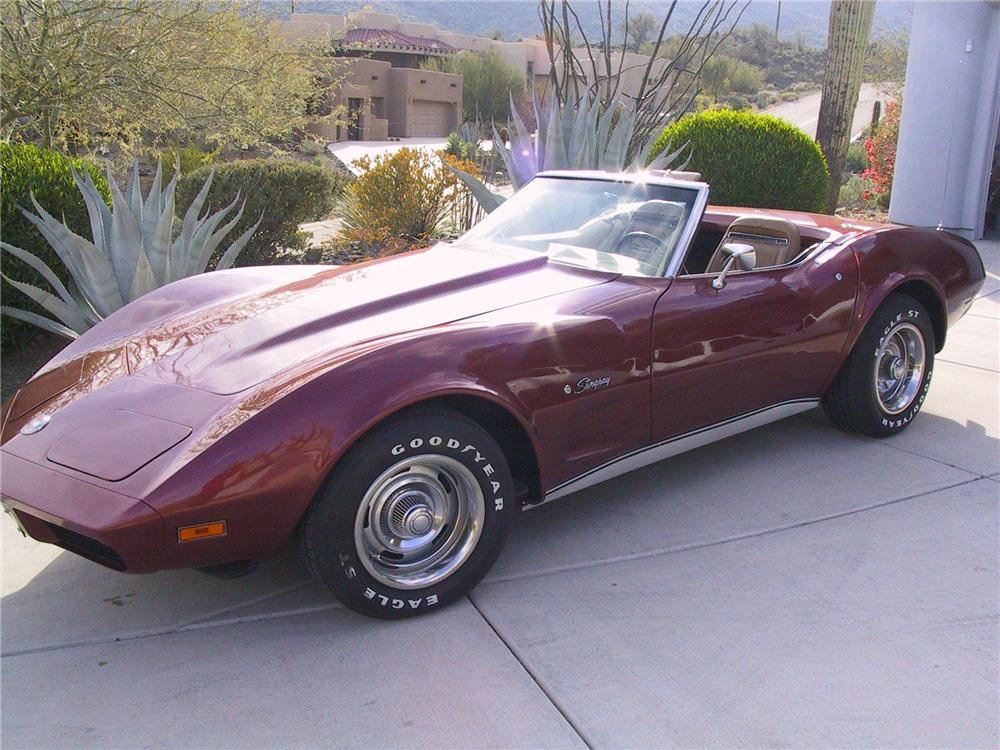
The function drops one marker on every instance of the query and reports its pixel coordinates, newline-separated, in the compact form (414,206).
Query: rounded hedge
(752,160)
(286,192)
(27,169)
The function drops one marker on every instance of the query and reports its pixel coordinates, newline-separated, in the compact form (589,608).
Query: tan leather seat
(776,241)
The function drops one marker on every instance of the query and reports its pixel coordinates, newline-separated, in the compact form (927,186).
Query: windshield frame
(676,259)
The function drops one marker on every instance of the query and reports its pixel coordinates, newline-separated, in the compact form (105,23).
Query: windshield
(607,225)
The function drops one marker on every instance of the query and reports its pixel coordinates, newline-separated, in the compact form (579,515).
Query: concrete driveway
(792,586)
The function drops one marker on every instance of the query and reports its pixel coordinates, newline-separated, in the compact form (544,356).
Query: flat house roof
(394,40)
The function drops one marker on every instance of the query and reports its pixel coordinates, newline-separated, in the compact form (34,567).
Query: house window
(531,69)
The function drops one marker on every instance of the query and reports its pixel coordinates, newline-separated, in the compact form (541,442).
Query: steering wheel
(636,234)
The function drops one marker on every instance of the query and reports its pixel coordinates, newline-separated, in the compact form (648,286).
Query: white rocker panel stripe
(680,444)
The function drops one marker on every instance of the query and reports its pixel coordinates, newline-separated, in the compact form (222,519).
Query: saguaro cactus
(847,39)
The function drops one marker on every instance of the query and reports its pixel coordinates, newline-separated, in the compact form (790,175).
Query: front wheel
(412,517)
(884,381)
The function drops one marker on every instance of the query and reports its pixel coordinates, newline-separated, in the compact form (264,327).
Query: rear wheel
(884,381)
(412,517)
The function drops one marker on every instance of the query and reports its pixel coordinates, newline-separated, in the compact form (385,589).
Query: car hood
(228,331)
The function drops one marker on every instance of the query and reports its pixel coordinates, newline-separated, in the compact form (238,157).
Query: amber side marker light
(201,531)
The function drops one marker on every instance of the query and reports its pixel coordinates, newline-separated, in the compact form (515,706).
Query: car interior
(645,231)
(776,241)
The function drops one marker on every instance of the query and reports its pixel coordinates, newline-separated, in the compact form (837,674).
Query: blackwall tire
(412,517)
(882,386)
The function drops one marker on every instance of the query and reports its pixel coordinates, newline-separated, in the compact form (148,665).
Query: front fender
(260,464)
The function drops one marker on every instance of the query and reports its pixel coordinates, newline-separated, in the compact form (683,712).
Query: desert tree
(488,83)
(79,74)
(638,30)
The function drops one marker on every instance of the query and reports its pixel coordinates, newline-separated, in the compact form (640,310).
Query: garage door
(431,118)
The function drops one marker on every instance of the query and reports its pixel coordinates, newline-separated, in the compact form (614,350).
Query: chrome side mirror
(743,257)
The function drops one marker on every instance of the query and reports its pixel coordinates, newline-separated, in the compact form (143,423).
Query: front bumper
(119,532)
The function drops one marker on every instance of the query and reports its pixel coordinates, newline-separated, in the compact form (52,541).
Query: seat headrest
(767,226)
(657,207)
(776,241)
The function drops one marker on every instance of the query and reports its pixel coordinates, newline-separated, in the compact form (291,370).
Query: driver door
(770,336)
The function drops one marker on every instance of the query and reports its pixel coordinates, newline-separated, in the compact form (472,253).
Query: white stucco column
(951,105)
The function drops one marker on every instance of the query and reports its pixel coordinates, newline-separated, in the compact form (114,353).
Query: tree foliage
(722,75)
(638,30)
(89,73)
(886,58)
(489,82)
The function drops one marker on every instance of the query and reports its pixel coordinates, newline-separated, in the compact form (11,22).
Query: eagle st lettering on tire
(412,517)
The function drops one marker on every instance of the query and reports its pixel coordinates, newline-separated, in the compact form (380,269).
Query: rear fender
(942,271)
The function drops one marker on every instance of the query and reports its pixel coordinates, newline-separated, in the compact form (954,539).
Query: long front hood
(256,330)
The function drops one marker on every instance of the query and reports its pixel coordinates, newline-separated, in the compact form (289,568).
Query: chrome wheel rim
(419,521)
(899,367)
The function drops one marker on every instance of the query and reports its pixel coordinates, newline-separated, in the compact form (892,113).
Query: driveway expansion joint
(962,364)
(726,540)
(202,623)
(537,679)
(909,451)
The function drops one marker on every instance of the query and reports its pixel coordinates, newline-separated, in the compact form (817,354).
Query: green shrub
(189,158)
(857,158)
(722,75)
(752,160)
(286,192)
(25,169)
(310,147)
(734,101)
(855,194)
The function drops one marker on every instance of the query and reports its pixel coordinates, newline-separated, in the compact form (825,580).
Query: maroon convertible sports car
(394,415)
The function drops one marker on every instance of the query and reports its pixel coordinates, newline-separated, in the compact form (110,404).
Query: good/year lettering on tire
(412,517)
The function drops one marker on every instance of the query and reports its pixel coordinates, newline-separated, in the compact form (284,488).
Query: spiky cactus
(850,26)
(133,251)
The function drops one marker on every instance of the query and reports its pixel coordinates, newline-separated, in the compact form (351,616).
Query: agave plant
(133,251)
(588,136)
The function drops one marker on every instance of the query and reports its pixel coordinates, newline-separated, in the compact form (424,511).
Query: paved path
(349,151)
(792,586)
(321,231)
(804,112)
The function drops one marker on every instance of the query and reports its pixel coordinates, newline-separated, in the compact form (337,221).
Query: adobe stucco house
(384,89)
(384,101)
